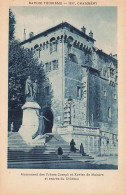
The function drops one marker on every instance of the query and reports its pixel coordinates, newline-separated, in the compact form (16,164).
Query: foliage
(12,23)
(21,65)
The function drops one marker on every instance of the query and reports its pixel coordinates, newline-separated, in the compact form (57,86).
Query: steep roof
(55,28)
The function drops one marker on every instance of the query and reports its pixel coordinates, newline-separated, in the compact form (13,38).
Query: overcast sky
(101,20)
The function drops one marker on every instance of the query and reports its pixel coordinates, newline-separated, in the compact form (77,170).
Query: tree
(21,64)
(12,23)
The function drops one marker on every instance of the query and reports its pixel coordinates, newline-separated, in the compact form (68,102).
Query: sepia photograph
(62,88)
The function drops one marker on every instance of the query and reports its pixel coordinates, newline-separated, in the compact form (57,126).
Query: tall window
(105,91)
(78,91)
(115,94)
(55,64)
(48,67)
(111,72)
(47,45)
(43,46)
(87,58)
(109,112)
(104,73)
(53,47)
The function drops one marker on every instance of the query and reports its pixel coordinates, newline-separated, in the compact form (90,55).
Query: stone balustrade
(94,140)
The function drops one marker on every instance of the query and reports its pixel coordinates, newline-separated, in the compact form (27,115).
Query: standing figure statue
(28,87)
(35,89)
(41,127)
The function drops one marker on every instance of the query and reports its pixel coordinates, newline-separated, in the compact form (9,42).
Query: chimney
(83,29)
(31,34)
(91,34)
(24,35)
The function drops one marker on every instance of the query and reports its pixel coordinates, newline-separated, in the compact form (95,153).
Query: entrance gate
(48,124)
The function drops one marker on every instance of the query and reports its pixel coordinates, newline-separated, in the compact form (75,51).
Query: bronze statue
(35,89)
(29,87)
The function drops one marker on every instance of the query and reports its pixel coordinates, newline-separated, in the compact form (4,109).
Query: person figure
(82,149)
(35,89)
(60,153)
(12,127)
(28,87)
(72,146)
(41,127)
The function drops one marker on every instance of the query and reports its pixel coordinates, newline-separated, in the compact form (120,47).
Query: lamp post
(70,102)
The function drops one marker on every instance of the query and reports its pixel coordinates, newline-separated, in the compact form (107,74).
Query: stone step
(40,155)
(34,157)
(46,158)
(34,160)
(19,153)
(43,162)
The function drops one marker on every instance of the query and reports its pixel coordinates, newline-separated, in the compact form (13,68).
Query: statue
(41,127)
(35,89)
(32,122)
(28,87)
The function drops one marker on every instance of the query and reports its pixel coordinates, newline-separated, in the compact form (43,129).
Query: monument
(30,120)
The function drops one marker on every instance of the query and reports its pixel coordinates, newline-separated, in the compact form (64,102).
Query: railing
(79,129)
(86,130)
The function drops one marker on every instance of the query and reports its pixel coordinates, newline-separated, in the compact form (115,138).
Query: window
(115,94)
(108,73)
(55,64)
(53,47)
(70,49)
(43,46)
(86,58)
(105,91)
(39,53)
(47,90)
(48,67)
(78,91)
(109,113)
(111,72)
(104,73)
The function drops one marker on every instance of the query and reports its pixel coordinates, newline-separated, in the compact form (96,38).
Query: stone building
(79,95)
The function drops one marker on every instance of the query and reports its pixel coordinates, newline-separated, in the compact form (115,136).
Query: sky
(101,20)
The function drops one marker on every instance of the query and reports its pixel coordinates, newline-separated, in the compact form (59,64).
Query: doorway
(48,124)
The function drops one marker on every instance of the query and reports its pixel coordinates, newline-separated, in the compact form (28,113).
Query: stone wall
(95,142)
(82,75)
(103,104)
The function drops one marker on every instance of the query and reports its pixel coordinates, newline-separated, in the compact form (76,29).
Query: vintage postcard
(63,108)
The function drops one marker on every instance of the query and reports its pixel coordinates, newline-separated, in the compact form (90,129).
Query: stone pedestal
(30,121)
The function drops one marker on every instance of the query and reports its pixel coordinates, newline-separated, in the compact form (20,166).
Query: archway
(48,124)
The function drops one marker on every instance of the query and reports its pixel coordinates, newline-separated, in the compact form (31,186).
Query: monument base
(30,124)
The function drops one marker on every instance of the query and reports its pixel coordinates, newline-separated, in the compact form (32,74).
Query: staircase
(21,155)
